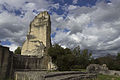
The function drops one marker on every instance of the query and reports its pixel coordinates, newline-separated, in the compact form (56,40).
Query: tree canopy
(18,50)
(67,59)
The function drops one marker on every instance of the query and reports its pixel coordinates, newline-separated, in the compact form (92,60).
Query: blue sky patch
(17,12)
(35,11)
(53,35)
(7,42)
(65,3)
(58,29)
(66,30)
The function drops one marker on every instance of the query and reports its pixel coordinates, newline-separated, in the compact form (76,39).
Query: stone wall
(10,62)
(6,58)
(44,75)
(101,69)
(30,62)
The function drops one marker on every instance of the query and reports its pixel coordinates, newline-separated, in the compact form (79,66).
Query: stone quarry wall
(6,61)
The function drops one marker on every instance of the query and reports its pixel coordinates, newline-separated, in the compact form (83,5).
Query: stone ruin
(38,39)
(96,68)
(37,42)
(34,54)
(101,69)
(34,60)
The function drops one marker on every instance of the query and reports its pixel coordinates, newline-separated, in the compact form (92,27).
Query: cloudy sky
(91,24)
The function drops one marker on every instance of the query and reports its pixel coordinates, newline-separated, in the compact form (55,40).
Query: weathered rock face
(38,38)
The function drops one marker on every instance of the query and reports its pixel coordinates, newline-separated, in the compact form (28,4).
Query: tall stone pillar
(38,39)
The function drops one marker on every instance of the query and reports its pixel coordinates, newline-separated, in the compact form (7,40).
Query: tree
(118,56)
(63,58)
(18,50)
(76,51)
(67,59)
(82,57)
(109,60)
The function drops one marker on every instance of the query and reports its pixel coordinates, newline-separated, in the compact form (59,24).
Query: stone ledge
(45,75)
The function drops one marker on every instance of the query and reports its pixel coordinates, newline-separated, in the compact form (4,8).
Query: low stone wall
(44,75)
(29,75)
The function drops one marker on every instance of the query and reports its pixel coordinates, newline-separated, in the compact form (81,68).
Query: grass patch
(107,77)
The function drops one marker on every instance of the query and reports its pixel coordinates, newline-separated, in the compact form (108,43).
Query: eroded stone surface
(38,39)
